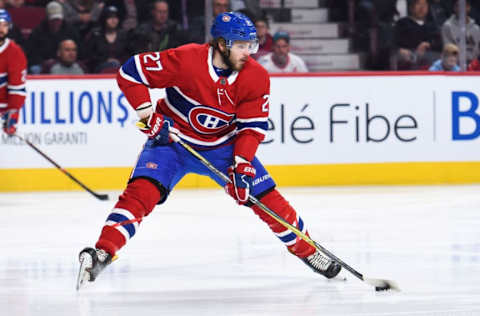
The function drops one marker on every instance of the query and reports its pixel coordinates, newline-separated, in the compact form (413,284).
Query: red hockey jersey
(209,110)
(13,70)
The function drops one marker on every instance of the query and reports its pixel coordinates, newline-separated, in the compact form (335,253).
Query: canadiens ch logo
(207,120)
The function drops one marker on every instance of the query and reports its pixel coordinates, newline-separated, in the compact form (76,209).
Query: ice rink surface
(200,254)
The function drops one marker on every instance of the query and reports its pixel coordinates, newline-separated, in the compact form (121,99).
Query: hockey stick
(102,197)
(378,284)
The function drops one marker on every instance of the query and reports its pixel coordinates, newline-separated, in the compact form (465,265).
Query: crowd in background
(97,36)
(415,34)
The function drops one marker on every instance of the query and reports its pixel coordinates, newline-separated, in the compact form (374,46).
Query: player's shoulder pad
(254,71)
(186,56)
(254,67)
(254,80)
(191,49)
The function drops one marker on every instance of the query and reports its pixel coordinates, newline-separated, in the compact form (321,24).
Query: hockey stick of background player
(379,284)
(68,174)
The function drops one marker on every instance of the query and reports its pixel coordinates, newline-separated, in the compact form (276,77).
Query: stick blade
(382,285)
(103,197)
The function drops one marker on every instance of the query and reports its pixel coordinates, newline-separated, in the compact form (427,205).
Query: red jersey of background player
(208,110)
(13,65)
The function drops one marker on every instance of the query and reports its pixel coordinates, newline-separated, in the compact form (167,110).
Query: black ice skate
(320,263)
(92,262)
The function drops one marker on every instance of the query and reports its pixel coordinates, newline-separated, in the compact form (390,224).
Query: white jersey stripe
(231,79)
(22,93)
(291,242)
(254,119)
(140,70)
(127,77)
(201,143)
(284,233)
(5,45)
(186,97)
(211,70)
(20,86)
(121,229)
(127,214)
(258,130)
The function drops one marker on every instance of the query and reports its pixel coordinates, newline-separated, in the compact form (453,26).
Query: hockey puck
(382,288)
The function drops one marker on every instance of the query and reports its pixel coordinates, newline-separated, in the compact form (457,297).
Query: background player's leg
(136,202)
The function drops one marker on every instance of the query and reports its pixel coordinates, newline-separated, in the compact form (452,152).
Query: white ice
(200,254)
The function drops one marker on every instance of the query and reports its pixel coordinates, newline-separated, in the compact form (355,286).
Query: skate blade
(341,277)
(83,274)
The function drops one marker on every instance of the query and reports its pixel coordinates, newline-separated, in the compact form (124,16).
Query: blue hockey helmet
(233,26)
(5,16)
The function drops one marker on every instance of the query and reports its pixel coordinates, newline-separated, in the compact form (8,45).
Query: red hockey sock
(136,202)
(275,201)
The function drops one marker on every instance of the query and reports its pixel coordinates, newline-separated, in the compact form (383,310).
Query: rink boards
(324,129)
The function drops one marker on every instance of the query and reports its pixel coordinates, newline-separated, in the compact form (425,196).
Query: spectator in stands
(197,24)
(108,44)
(440,11)
(373,30)
(14,32)
(265,40)
(449,60)
(475,11)
(15,3)
(186,12)
(43,42)
(474,65)
(451,31)
(67,59)
(73,9)
(220,6)
(36,3)
(252,6)
(418,41)
(143,8)
(158,34)
(338,10)
(127,12)
(84,24)
(371,11)
(281,60)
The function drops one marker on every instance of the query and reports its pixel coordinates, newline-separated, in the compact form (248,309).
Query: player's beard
(231,64)
(3,36)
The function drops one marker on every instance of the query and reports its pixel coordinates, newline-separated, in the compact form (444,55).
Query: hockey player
(13,65)
(217,101)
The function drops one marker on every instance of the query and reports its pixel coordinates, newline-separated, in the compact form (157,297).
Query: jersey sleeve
(252,118)
(147,70)
(17,72)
